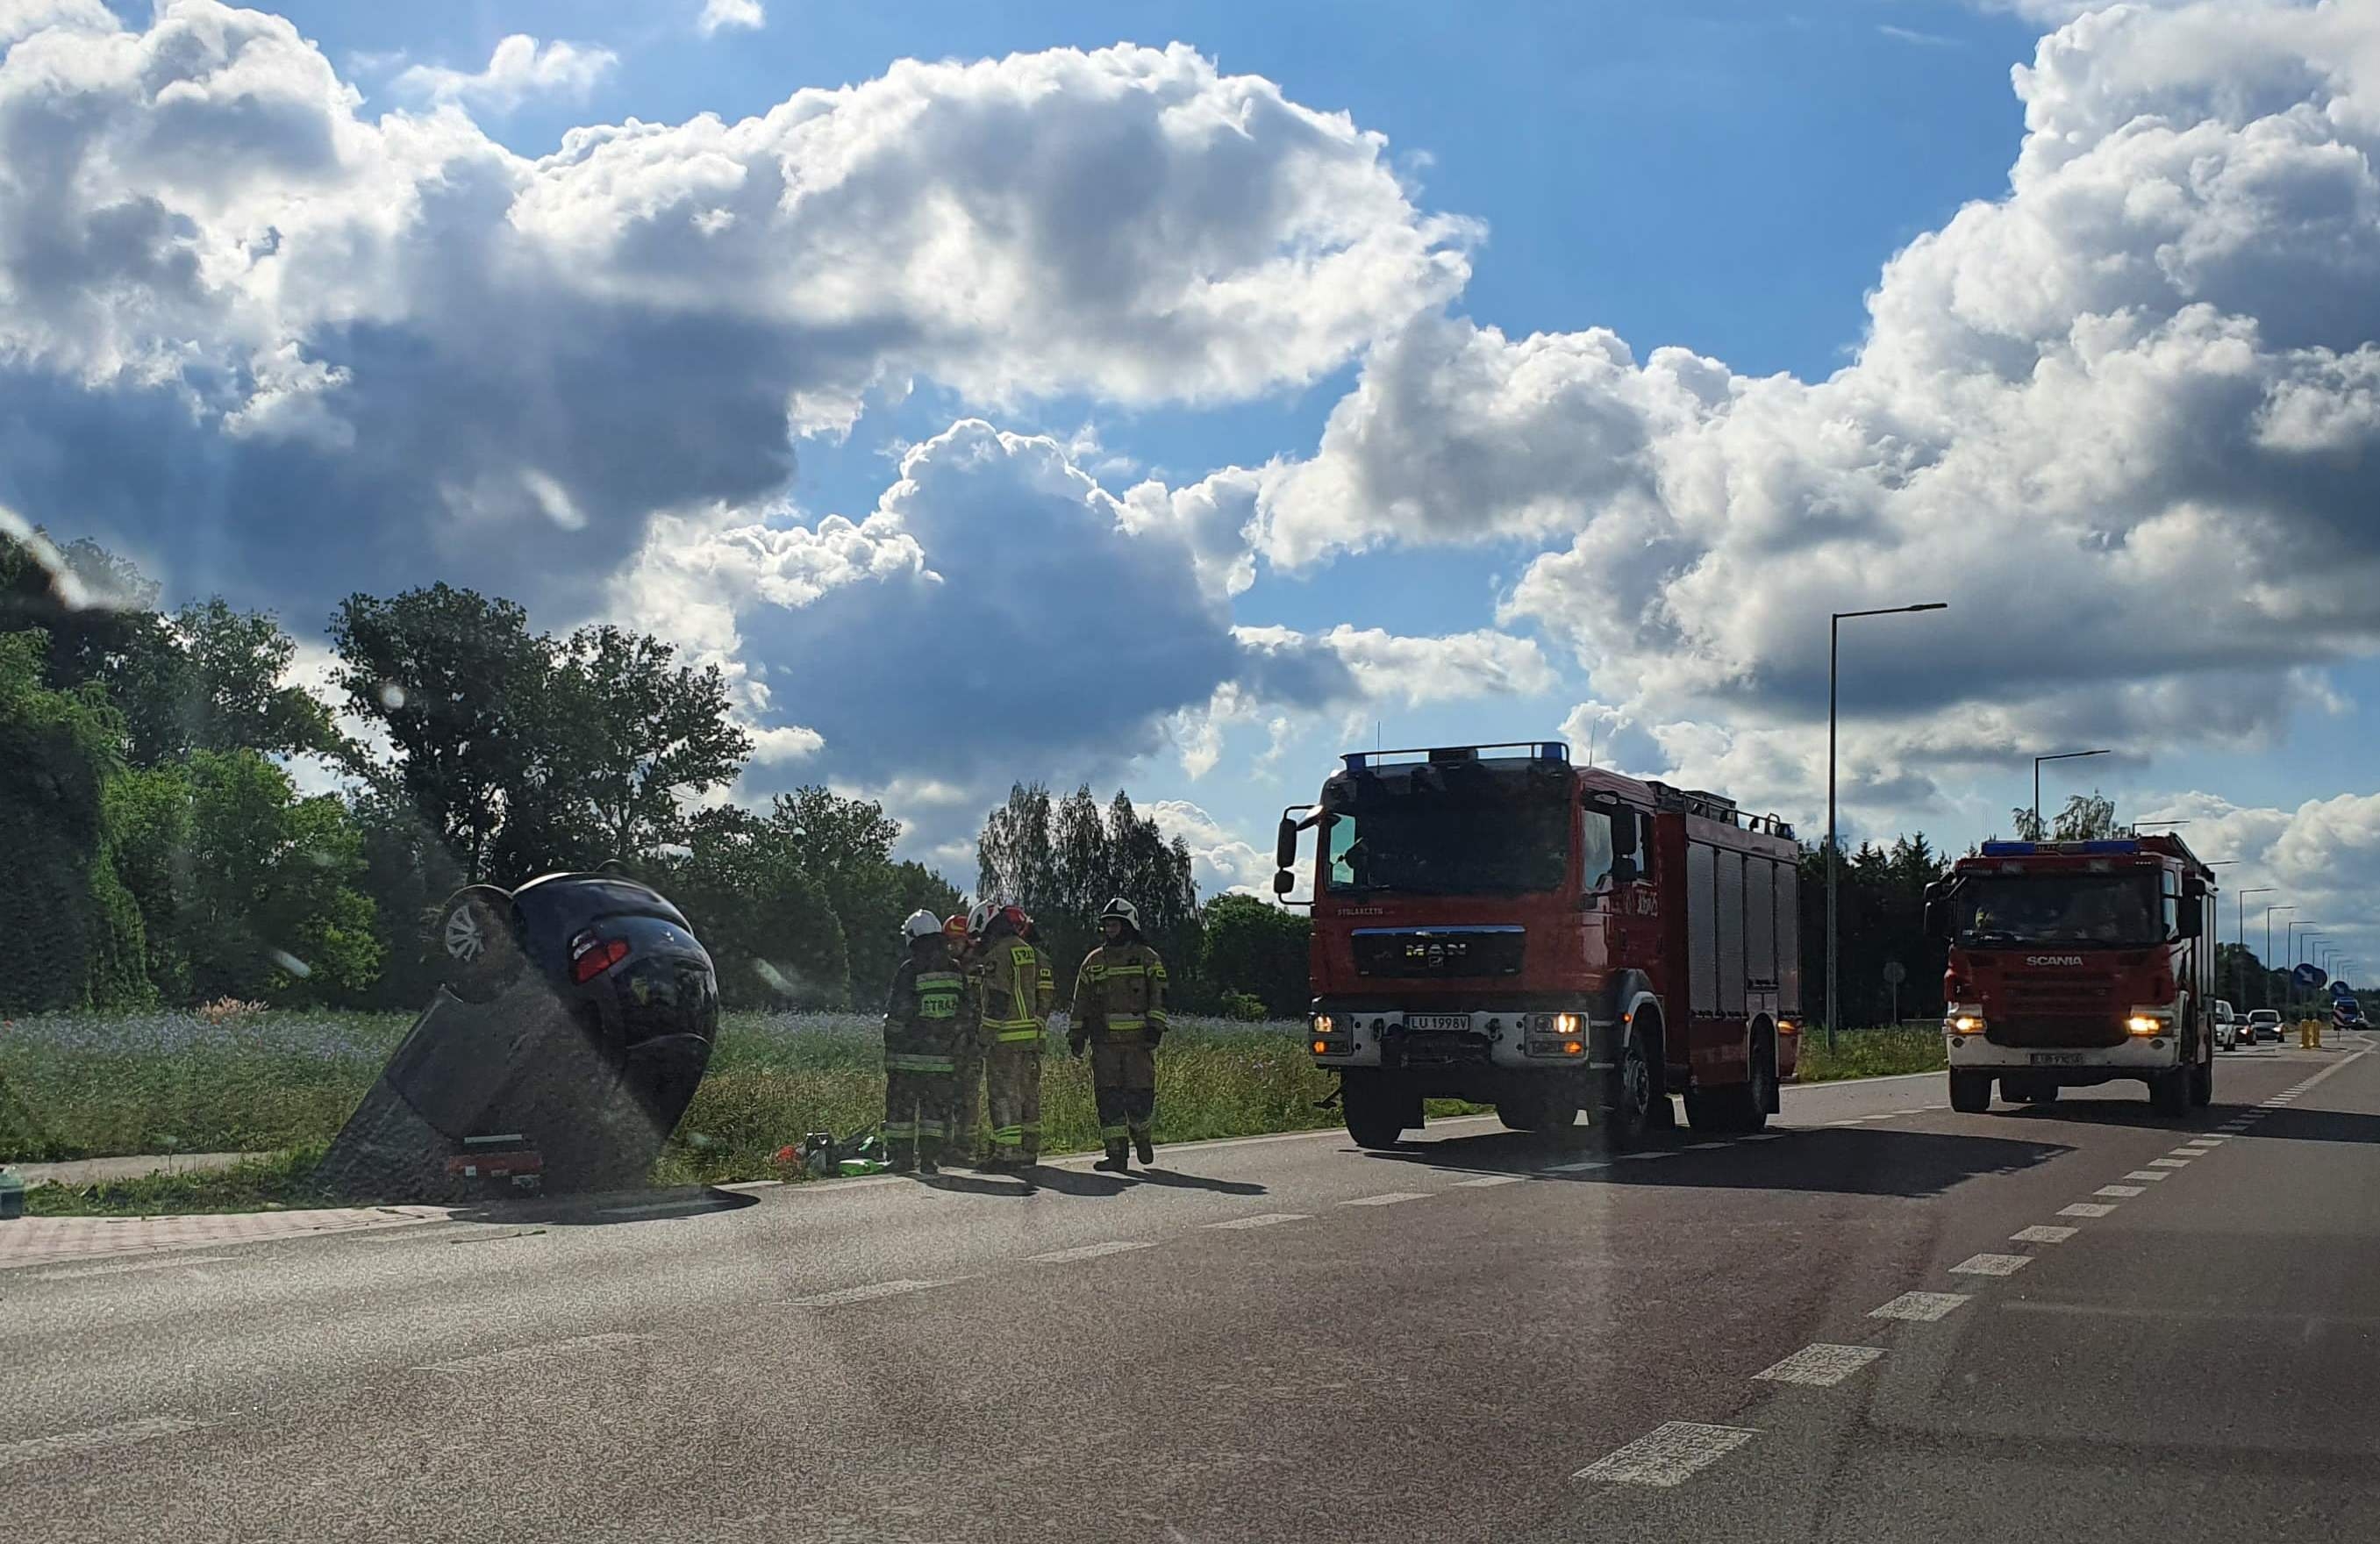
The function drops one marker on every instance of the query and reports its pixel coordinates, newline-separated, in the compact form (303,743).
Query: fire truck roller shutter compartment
(1702,929)
(1729,917)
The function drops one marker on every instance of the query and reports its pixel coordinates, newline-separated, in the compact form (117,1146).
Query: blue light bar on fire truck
(2083,849)
(1535,750)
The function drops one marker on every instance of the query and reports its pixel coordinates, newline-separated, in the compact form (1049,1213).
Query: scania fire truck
(2077,963)
(1493,924)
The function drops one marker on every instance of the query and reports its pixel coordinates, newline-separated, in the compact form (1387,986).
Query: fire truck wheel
(1627,1111)
(1971,1092)
(2170,1092)
(2202,1082)
(1375,1113)
(1518,1116)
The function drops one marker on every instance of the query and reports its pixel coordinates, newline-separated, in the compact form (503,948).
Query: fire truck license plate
(1438,1021)
(2056,1058)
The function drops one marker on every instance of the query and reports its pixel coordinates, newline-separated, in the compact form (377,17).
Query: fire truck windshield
(1416,830)
(2060,908)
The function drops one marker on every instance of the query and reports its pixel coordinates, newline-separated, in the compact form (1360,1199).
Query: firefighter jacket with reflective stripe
(924,1012)
(1007,977)
(1120,993)
(1045,986)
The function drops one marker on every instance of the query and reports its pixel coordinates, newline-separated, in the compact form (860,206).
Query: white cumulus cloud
(2121,419)
(743,15)
(521,67)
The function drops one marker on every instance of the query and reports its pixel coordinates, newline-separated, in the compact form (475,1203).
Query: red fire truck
(1493,924)
(2076,963)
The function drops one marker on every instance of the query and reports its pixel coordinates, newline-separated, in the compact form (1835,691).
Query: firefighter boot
(1143,1146)
(1117,1162)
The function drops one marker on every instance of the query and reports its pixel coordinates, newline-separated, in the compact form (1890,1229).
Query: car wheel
(479,943)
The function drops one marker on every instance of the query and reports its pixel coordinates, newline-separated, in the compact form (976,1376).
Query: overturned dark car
(574,1023)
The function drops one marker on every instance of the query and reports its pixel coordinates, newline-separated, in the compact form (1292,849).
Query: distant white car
(2264,1023)
(2227,1027)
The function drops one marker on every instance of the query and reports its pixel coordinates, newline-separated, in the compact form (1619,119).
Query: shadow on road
(1851,1160)
(1179,1181)
(2294,1125)
(620,1206)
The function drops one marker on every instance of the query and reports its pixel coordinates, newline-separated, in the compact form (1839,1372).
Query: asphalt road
(1285,1338)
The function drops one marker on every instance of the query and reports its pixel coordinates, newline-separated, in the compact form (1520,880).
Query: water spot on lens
(392,695)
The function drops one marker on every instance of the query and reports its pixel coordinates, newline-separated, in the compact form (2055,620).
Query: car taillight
(592,955)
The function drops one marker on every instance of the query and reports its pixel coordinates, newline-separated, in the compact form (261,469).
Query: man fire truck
(2076,963)
(1493,924)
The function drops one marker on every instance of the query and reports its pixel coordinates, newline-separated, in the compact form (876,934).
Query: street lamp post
(2268,943)
(1834,651)
(2258,890)
(2061,756)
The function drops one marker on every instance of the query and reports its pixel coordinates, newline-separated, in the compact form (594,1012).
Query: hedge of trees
(164,853)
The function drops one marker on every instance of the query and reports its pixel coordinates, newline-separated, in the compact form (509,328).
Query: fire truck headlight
(1321,1025)
(2141,1024)
(1967,1023)
(1565,1024)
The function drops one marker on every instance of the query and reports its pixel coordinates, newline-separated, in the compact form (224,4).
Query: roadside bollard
(2309,1034)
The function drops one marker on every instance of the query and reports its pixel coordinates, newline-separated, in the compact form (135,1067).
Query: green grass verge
(93,1086)
(281,1183)
(1871,1054)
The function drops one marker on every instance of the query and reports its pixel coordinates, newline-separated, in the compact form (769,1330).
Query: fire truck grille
(1436,1048)
(1427,953)
(2042,1031)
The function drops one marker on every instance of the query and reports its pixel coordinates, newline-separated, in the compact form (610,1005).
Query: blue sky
(1632,340)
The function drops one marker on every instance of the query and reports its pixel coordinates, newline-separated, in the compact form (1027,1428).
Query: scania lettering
(2130,992)
(1493,924)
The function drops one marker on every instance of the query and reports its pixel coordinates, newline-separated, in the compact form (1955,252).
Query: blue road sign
(2340,989)
(2309,975)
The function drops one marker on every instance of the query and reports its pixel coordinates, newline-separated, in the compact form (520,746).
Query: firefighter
(966,1091)
(1045,986)
(923,1023)
(1120,1014)
(1006,975)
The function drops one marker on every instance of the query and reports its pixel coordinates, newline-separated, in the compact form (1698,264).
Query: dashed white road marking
(1390,1198)
(1991,1265)
(2170,1162)
(1846,1123)
(1488,1182)
(2042,1232)
(1262,1220)
(1923,1306)
(1642,1156)
(1768,1136)
(1090,1251)
(2086,1209)
(516,1355)
(2122,1192)
(68,1443)
(1821,1365)
(1919,1109)
(1668,1455)
(861,1293)
(1580,1167)
(173,1262)
(1707,1147)
(2152,1176)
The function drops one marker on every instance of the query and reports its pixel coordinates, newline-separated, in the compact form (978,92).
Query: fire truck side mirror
(1284,848)
(1938,910)
(1283,882)
(1623,869)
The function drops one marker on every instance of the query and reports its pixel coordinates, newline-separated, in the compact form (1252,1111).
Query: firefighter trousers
(1124,1082)
(966,1100)
(1012,1076)
(918,1107)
